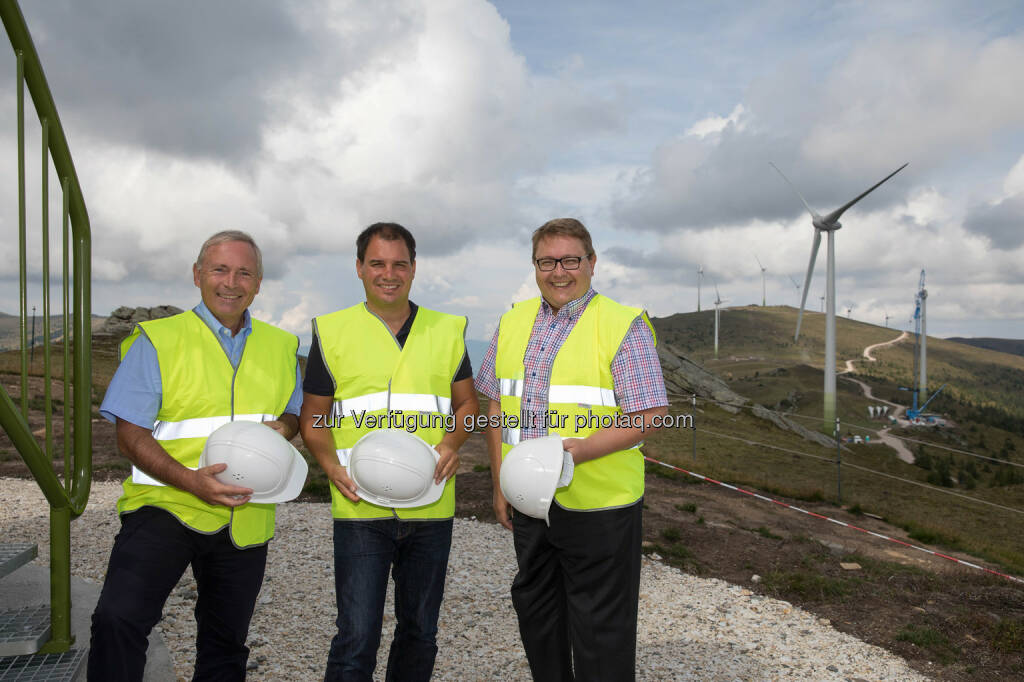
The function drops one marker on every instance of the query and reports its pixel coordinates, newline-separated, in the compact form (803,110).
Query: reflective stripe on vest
(511,387)
(511,436)
(557,393)
(200,427)
(405,402)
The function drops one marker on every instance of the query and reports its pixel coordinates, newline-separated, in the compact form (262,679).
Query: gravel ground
(690,628)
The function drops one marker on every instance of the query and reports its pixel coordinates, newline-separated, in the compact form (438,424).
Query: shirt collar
(216,327)
(571,309)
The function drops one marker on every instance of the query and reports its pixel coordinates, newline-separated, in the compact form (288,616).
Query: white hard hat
(394,468)
(257,457)
(530,473)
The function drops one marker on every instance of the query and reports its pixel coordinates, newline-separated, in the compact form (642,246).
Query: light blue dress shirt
(135,392)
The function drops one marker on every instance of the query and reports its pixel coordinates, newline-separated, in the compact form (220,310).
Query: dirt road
(902,451)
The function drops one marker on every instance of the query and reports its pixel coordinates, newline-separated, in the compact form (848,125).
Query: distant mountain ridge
(10,332)
(1011,346)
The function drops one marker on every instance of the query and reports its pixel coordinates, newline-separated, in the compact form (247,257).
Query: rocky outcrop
(787,424)
(686,378)
(123,319)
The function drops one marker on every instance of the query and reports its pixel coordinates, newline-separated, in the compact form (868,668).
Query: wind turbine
(718,301)
(700,276)
(795,284)
(829,224)
(922,296)
(886,320)
(764,297)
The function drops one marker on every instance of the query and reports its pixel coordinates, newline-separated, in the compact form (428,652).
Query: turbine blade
(806,205)
(758,261)
(807,281)
(795,283)
(834,215)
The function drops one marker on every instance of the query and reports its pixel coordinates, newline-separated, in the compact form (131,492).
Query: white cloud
(716,124)
(926,99)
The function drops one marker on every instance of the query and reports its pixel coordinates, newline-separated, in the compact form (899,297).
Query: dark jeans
(150,554)
(577,592)
(416,553)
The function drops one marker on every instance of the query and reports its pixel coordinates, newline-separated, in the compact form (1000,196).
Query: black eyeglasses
(568,263)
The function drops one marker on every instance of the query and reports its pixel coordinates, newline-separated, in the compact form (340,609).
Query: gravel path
(690,628)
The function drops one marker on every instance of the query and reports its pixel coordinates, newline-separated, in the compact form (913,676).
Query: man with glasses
(572,362)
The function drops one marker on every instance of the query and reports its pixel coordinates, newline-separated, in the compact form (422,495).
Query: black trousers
(149,556)
(577,592)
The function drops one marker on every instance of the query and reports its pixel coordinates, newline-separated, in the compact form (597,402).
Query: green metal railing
(67,495)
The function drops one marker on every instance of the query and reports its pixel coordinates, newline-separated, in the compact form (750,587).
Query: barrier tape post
(839,468)
(693,413)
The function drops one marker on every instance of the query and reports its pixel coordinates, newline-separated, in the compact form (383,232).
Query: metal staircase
(35,642)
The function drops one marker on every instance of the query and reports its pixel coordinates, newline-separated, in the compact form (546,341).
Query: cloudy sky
(473,122)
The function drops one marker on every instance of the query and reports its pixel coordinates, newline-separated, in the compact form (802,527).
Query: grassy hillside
(759,359)
(758,340)
(10,329)
(1012,346)
(751,337)
(976,376)
(750,452)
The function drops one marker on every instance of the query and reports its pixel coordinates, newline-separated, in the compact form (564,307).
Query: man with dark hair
(383,357)
(179,379)
(567,358)
(388,231)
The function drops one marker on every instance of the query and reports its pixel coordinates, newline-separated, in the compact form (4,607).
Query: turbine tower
(700,276)
(886,320)
(922,295)
(718,301)
(828,224)
(764,297)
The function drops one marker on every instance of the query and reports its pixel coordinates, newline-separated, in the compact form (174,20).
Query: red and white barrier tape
(837,521)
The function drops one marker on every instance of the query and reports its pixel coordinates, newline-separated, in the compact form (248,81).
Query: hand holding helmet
(532,471)
(257,457)
(394,468)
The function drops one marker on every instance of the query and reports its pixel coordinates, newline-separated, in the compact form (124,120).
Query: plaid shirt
(636,372)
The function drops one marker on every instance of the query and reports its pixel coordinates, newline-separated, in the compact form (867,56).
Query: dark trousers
(577,592)
(149,556)
(365,552)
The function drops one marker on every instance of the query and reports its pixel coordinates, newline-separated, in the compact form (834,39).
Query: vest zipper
(387,406)
(234,374)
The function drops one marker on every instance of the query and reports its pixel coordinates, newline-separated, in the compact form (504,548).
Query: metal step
(15,555)
(24,630)
(42,667)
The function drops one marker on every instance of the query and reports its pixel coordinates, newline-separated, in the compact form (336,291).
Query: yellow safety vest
(581,386)
(373,375)
(202,391)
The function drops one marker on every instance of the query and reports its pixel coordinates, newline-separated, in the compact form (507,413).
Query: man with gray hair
(180,378)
